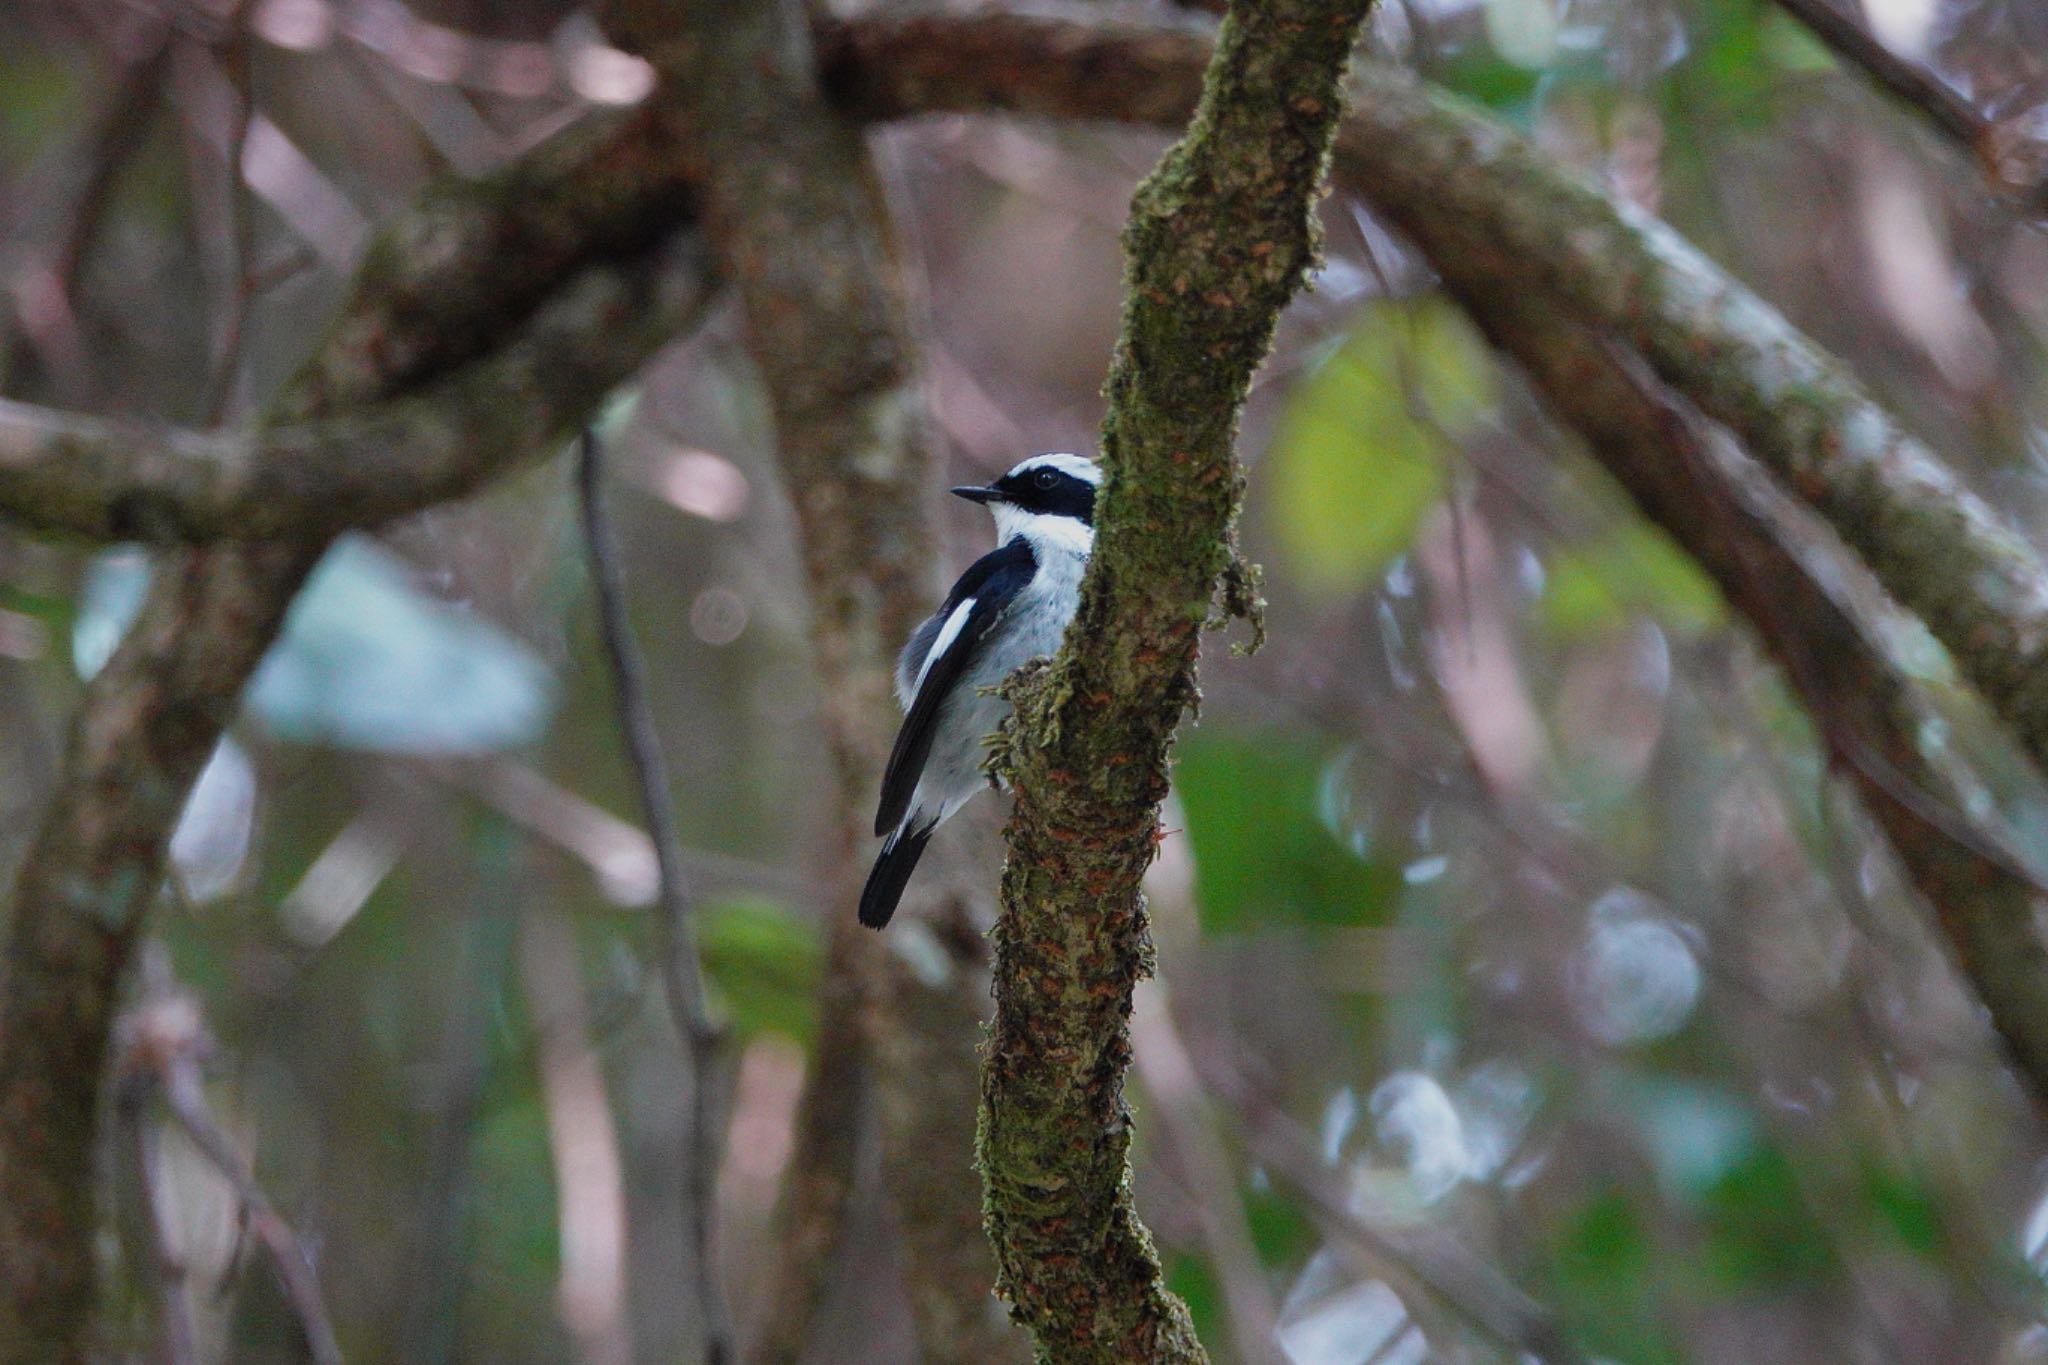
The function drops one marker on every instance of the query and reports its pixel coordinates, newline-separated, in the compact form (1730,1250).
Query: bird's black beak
(976,493)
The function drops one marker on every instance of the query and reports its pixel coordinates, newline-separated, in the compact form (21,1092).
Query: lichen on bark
(1221,235)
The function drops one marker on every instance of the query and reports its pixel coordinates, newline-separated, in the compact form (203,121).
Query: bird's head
(1049,497)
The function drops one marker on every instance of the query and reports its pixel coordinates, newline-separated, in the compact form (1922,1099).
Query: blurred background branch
(681,969)
(152,717)
(2013,156)
(814,258)
(162,1047)
(1513,222)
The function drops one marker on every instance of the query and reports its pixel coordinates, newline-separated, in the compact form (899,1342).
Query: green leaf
(1503,87)
(1759,1234)
(1261,854)
(516,1238)
(765,965)
(1608,1283)
(1792,46)
(1362,449)
(1909,1208)
(1280,1228)
(1733,71)
(1633,568)
(1190,1278)
(1606,1243)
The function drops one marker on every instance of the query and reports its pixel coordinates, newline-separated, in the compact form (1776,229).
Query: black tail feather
(892,873)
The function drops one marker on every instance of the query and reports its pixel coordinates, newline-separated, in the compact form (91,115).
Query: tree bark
(1785,573)
(1221,235)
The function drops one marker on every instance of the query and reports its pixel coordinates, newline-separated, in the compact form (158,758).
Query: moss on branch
(124,480)
(1221,235)
(1474,194)
(1463,186)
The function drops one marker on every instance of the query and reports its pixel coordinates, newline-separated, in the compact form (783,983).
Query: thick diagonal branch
(1782,571)
(1220,237)
(2013,156)
(1466,189)
(109,480)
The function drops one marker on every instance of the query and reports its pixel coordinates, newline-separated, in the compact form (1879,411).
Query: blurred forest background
(1509,895)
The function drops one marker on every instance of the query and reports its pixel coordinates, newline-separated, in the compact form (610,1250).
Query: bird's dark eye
(1046,478)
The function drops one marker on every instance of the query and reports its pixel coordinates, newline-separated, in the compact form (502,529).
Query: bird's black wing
(977,600)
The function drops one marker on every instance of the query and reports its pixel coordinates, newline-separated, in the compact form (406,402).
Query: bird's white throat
(1044,530)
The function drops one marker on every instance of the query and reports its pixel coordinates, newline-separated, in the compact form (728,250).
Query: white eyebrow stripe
(1079,466)
(948,633)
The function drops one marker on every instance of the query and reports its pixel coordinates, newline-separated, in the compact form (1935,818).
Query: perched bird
(1010,607)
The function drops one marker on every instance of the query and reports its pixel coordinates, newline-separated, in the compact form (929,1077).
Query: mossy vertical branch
(1221,236)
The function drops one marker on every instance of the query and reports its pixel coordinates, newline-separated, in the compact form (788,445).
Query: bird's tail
(892,872)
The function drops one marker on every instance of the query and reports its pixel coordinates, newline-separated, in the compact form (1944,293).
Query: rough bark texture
(1220,237)
(151,718)
(460,278)
(1071,62)
(1460,184)
(801,228)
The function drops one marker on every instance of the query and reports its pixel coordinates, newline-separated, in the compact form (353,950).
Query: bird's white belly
(1031,628)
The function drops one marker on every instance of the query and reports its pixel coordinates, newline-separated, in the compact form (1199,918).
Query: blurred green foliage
(1662,1198)
(1631,569)
(1262,855)
(765,964)
(1365,445)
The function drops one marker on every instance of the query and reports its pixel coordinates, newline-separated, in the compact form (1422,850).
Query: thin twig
(163,1044)
(1187,1133)
(176,1338)
(185,1097)
(227,359)
(88,177)
(1462,1281)
(2001,149)
(702,1040)
(1912,82)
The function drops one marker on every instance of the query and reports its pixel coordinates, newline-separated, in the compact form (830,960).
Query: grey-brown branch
(1220,237)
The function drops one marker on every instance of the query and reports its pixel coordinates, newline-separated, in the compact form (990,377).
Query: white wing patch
(948,633)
